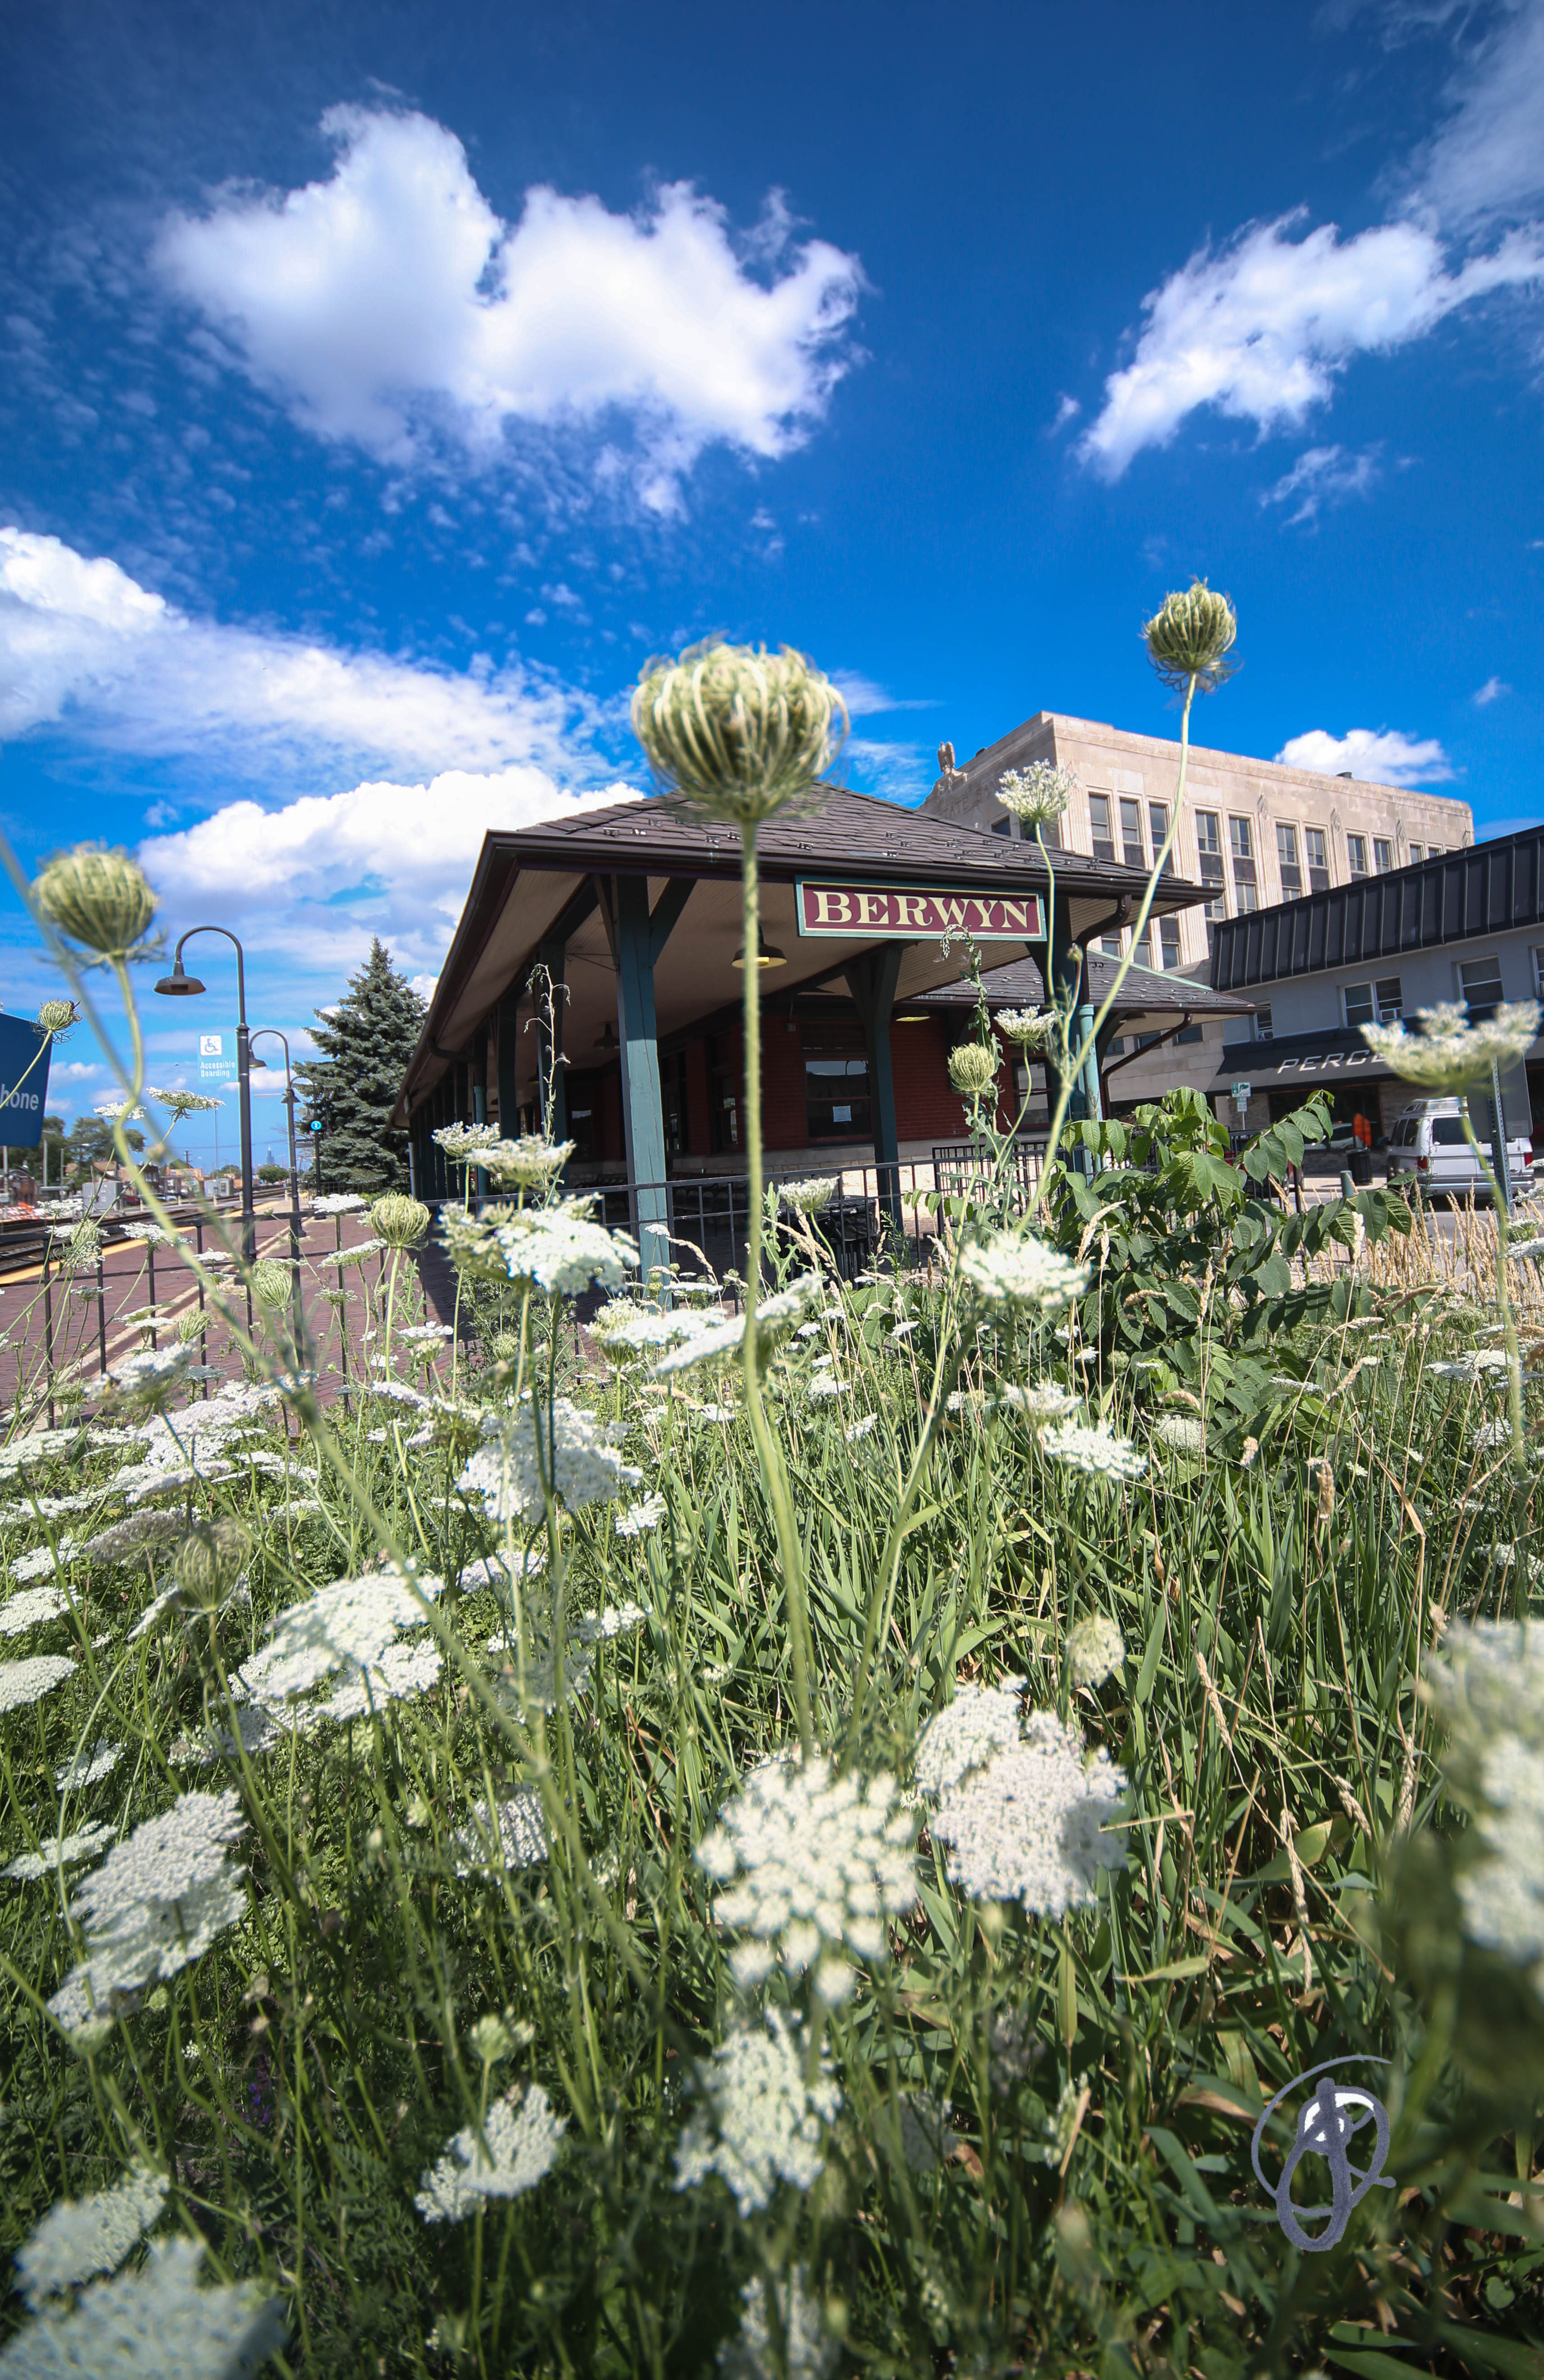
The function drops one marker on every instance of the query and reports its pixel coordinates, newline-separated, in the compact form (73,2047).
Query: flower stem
(774,1477)
(1513,1363)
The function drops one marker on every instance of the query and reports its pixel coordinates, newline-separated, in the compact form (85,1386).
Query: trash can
(1361,1166)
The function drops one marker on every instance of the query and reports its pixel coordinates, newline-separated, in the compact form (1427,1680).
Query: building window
(1416,854)
(1382,856)
(1374,1004)
(1357,852)
(1190,1033)
(1117,1047)
(1131,834)
(1208,850)
(1539,974)
(1287,853)
(1158,827)
(1051,834)
(1480,981)
(1264,1030)
(1245,891)
(1110,944)
(1168,938)
(835,1079)
(1318,859)
(723,1095)
(1098,820)
(1003,826)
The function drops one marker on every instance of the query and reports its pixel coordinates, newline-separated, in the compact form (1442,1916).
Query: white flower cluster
(816,1863)
(80,2237)
(762,2116)
(1098,1452)
(156,2319)
(775,1318)
(31,1608)
(1017,1269)
(560,1249)
(806,2350)
(1037,793)
(623,1328)
(27,1681)
(88,1767)
(151,1377)
(1449,1053)
(60,1851)
(1022,1815)
(1184,1433)
(465,1140)
(353,1625)
(576,1449)
(1095,1649)
(1481,1362)
(1028,1027)
(1041,1401)
(519,2146)
(337,1202)
(155,1904)
(514,1830)
(1488,1690)
(639,1518)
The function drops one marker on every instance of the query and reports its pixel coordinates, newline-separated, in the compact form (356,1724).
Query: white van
(1429,1150)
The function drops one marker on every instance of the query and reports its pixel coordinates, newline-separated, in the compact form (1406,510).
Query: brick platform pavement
(84,1327)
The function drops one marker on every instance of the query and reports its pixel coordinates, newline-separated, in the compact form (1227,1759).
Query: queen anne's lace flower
(1183,1432)
(1017,1269)
(151,1377)
(775,1318)
(1449,1053)
(1099,1452)
(1037,793)
(30,1609)
(520,2145)
(88,1767)
(859,1429)
(61,1850)
(27,1681)
(639,1518)
(966,1734)
(516,1827)
(1487,1688)
(338,1202)
(585,1465)
(154,2320)
(348,1624)
(762,2120)
(820,1862)
(804,2351)
(1095,1649)
(560,1249)
(401,1671)
(157,1902)
(80,2237)
(1025,1825)
(39,1563)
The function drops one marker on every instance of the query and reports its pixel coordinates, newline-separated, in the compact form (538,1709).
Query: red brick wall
(699,1128)
(928,1107)
(784,1119)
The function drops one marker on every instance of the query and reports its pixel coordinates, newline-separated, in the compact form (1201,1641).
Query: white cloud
(1490,692)
(390,301)
(1260,328)
(1325,475)
(313,882)
(1378,756)
(1488,160)
(83,643)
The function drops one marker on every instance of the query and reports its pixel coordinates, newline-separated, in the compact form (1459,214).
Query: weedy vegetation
(792,1841)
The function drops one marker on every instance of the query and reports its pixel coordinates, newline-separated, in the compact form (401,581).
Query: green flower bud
(97,898)
(271,1283)
(190,1324)
(1189,637)
(57,1017)
(972,1069)
(401,1221)
(742,732)
(210,1559)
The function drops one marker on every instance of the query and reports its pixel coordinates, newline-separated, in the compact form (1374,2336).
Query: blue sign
(24,1056)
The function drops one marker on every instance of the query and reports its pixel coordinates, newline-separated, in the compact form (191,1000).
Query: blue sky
(379,386)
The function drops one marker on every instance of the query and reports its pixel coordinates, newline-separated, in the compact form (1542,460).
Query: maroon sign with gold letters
(848,912)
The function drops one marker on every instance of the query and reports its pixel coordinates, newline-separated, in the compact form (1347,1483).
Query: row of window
(1302,855)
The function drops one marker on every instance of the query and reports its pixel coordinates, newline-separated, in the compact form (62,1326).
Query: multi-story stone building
(1255,833)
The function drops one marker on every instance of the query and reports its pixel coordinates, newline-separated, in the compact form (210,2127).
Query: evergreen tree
(365,1043)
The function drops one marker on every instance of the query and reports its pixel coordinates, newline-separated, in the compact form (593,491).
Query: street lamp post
(179,985)
(272,1033)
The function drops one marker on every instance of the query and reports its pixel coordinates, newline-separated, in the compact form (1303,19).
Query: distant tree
(91,1141)
(31,1161)
(273,1173)
(365,1043)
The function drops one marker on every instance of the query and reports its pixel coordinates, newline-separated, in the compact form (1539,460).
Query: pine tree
(351,1088)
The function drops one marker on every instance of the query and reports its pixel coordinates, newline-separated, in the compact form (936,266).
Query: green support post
(637,938)
(871,980)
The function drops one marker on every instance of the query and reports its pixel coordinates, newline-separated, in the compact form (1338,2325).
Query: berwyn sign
(846,912)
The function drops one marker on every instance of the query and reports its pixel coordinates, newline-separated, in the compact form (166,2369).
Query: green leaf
(1151,1652)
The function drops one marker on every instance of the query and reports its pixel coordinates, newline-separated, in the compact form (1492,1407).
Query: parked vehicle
(1429,1151)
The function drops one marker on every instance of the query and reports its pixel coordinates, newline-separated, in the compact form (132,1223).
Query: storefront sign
(847,913)
(24,1055)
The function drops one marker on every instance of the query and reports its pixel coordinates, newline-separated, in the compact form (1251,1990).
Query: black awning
(1300,1061)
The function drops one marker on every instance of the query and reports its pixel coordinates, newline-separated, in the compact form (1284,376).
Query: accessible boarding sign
(24,1055)
(217,1056)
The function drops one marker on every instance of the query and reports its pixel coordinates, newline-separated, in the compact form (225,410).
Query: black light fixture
(179,984)
(608,1040)
(766,954)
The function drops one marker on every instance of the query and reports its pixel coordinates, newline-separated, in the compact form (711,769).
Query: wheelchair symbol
(1328,2119)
